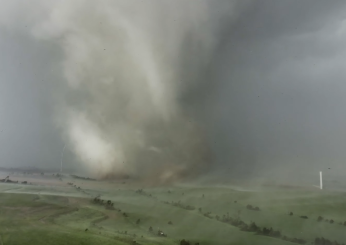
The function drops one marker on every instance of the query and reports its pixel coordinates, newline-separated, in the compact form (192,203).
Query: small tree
(184,242)
(253,227)
(265,231)
(249,206)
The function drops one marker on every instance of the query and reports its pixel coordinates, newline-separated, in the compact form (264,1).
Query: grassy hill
(205,215)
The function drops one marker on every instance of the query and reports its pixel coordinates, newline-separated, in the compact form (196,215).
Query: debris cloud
(130,67)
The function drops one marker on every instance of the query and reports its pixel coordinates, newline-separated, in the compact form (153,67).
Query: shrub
(184,242)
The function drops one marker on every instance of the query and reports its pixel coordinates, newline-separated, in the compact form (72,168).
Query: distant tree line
(208,215)
(184,242)
(323,241)
(83,178)
(330,221)
(252,227)
(142,192)
(180,205)
(250,207)
(107,204)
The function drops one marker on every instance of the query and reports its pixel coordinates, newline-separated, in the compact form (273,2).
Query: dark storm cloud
(259,82)
(267,19)
(282,91)
(29,75)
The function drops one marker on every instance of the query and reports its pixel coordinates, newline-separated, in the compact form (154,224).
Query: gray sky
(281,95)
(28,81)
(266,83)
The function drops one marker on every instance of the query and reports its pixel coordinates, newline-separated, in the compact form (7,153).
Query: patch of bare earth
(78,201)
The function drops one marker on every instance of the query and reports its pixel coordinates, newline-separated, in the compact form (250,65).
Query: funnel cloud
(129,67)
(123,113)
(165,90)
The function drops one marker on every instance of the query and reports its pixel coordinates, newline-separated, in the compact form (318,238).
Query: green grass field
(61,214)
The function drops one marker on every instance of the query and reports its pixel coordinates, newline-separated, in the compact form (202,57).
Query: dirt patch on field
(78,201)
(112,215)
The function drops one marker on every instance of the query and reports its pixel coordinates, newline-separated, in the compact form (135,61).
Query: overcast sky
(271,94)
(281,101)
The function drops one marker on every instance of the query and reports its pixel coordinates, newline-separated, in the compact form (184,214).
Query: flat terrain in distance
(54,211)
